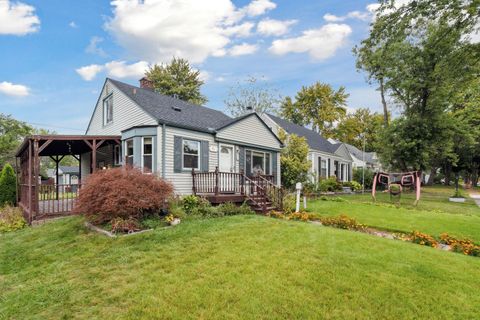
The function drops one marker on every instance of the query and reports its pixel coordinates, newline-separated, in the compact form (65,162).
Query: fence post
(242,182)
(217,180)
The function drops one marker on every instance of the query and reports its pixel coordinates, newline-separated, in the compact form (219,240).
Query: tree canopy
(318,106)
(12,133)
(294,159)
(178,79)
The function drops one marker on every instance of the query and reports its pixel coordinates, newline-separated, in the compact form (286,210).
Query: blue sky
(55,55)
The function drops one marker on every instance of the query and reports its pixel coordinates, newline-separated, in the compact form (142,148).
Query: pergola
(38,201)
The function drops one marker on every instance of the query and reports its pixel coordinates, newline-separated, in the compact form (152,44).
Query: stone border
(110,234)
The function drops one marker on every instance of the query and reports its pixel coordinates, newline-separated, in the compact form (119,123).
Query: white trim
(252,151)
(142,161)
(126,151)
(198,155)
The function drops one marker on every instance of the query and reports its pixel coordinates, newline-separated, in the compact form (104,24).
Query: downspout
(164,142)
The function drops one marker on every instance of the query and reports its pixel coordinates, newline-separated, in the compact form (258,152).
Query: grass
(433,215)
(241,267)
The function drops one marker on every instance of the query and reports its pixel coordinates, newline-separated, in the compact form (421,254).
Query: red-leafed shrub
(124,193)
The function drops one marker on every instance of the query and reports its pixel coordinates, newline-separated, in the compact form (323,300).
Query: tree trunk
(384,103)
(433,172)
(448,172)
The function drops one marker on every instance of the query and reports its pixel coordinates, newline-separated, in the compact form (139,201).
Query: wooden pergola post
(36,173)
(30,216)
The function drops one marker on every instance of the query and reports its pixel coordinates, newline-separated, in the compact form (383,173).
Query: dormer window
(108,110)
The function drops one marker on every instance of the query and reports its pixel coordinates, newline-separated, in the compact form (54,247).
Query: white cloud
(320,44)
(204,75)
(73,25)
(17,18)
(243,49)
(88,73)
(271,27)
(93,47)
(14,90)
(157,30)
(333,18)
(120,69)
(116,69)
(259,7)
(360,15)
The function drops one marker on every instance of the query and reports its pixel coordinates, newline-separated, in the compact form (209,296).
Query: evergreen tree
(8,186)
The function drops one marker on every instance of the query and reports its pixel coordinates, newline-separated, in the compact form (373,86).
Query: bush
(122,193)
(289,203)
(231,209)
(330,185)
(465,246)
(357,176)
(335,199)
(8,186)
(11,219)
(342,222)
(354,185)
(190,202)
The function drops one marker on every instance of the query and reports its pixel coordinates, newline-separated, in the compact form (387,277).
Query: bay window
(147,154)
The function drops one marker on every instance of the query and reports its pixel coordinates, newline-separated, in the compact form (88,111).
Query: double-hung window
(147,154)
(191,152)
(108,110)
(129,152)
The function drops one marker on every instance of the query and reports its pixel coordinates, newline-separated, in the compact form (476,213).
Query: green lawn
(434,214)
(243,267)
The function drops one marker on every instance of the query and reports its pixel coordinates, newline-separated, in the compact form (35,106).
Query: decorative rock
(460,200)
(175,222)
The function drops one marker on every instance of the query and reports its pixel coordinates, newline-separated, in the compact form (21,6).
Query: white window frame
(126,151)
(143,154)
(264,160)
(107,121)
(117,152)
(198,155)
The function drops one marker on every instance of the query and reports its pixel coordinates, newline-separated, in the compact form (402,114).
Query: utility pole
(363,166)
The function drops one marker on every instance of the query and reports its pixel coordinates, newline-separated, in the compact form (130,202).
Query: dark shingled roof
(69,169)
(369,156)
(172,111)
(315,140)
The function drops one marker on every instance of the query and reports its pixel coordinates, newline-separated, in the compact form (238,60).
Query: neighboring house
(327,159)
(171,137)
(361,159)
(66,175)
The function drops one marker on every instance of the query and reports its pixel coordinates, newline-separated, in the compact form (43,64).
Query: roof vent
(177,109)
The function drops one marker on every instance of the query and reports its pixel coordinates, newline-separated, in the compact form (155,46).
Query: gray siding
(126,114)
(183,181)
(249,131)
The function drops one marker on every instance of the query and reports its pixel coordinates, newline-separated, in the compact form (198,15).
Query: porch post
(194,189)
(242,183)
(94,156)
(216,181)
(36,174)
(56,176)
(29,181)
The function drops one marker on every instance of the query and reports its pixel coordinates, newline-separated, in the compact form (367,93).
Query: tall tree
(8,186)
(421,54)
(359,127)
(251,95)
(12,132)
(318,106)
(294,159)
(178,79)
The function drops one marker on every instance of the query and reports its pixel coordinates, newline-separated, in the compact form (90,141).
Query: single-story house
(361,159)
(327,159)
(66,175)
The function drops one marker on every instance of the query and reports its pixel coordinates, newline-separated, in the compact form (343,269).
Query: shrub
(395,188)
(276,214)
(423,239)
(330,185)
(342,222)
(231,209)
(303,216)
(354,185)
(8,186)
(357,176)
(121,225)
(190,202)
(288,203)
(11,219)
(122,193)
(335,199)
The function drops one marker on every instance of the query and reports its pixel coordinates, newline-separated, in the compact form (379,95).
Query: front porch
(41,200)
(259,191)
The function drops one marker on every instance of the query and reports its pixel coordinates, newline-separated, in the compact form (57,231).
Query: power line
(53,126)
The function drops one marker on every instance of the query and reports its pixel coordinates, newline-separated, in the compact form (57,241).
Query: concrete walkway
(475,196)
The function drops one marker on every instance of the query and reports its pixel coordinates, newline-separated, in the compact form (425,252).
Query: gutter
(164,143)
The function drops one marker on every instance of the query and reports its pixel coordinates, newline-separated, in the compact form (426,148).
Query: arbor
(251,95)
(178,79)
(318,106)
(356,126)
(12,133)
(294,160)
(8,186)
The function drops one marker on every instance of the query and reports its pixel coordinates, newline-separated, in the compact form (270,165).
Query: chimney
(145,83)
